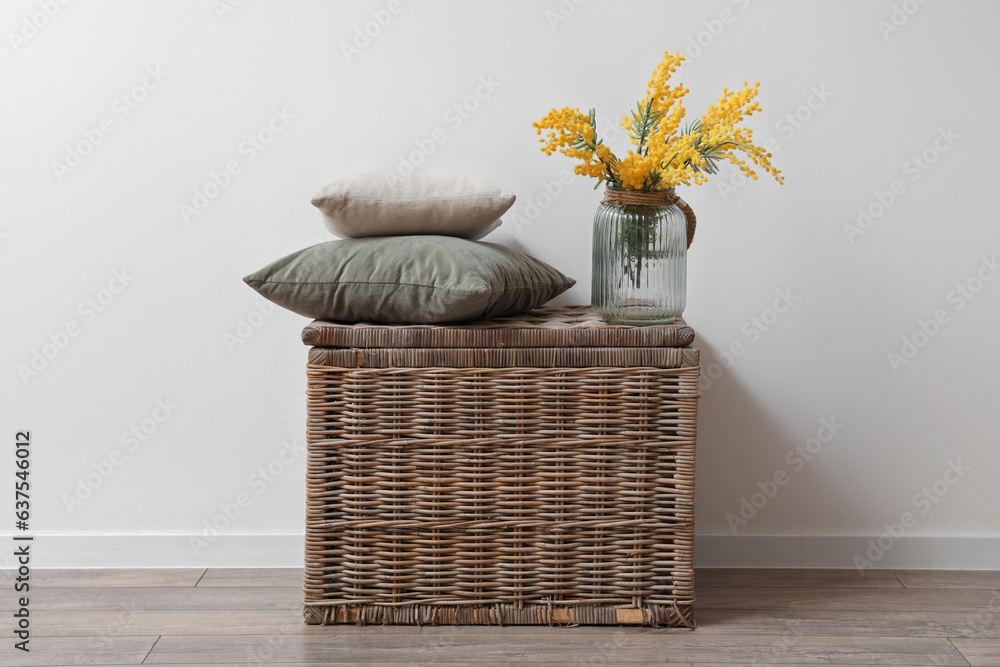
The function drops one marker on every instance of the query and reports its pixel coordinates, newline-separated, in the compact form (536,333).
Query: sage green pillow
(408,279)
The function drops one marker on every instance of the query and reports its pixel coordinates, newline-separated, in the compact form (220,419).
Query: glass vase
(639,263)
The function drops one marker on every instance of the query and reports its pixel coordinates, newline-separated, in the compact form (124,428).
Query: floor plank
(855,623)
(476,645)
(92,650)
(118,599)
(415,661)
(843,599)
(272,576)
(980,652)
(758,617)
(962,579)
(82,578)
(778,578)
(184,622)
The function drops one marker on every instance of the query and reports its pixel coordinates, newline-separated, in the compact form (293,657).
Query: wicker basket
(521,471)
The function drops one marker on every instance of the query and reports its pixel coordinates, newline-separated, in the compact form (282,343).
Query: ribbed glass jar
(640,263)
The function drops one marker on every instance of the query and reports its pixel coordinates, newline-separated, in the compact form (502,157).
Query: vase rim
(612,187)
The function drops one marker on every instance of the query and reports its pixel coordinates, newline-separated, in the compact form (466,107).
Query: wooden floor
(758,617)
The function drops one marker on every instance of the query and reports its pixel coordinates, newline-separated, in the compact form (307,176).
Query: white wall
(886,97)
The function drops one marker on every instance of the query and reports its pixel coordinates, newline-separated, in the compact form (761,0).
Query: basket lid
(552,326)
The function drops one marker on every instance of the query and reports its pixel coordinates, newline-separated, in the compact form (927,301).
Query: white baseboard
(848,551)
(173,550)
(165,550)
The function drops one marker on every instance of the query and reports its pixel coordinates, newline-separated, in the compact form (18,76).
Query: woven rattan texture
(501,495)
(498,358)
(556,326)
(432,403)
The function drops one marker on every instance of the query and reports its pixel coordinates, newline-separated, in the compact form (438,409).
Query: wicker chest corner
(529,470)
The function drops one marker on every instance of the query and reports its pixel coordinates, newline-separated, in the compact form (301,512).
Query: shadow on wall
(753,475)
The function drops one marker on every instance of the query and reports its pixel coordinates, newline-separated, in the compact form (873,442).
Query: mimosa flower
(664,155)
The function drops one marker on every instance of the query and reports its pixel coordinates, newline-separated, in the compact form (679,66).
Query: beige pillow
(380,202)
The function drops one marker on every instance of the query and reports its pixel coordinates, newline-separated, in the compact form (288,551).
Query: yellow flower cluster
(664,155)
(573,134)
(719,128)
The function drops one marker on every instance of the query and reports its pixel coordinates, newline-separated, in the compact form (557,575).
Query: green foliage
(644,123)
(634,239)
(712,154)
(610,169)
